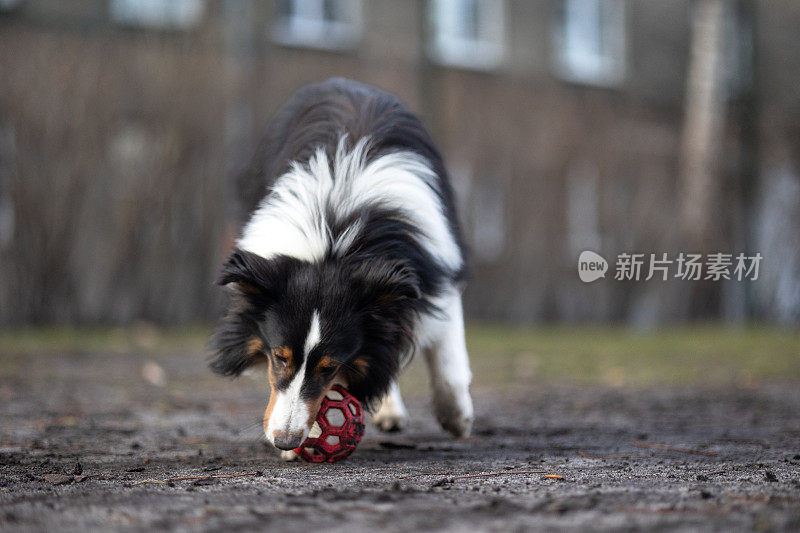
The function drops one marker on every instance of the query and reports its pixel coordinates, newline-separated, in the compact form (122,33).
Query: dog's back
(320,115)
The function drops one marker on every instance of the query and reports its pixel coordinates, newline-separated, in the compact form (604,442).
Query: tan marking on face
(326,363)
(362,365)
(273,396)
(286,353)
(255,347)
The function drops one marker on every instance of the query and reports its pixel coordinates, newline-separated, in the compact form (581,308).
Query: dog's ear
(390,297)
(246,270)
(257,279)
(235,345)
(257,284)
(387,283)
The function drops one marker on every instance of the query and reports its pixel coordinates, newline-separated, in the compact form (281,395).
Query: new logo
(591,266)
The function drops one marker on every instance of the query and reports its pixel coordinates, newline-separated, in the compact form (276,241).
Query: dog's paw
(389,422)
(391,414)
(457,427)
(289,455)
(453,410)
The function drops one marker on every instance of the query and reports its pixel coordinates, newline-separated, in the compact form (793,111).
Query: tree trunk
(703,128)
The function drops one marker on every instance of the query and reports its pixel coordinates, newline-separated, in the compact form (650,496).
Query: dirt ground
(86,443)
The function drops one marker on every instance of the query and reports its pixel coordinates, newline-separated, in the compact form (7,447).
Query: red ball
(337,430)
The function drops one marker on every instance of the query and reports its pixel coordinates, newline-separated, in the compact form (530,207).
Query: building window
(158,13)
(467,33)
(590,41)
(325,24)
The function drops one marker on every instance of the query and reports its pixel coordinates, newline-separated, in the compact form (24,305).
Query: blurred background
(568,125)
(616,126)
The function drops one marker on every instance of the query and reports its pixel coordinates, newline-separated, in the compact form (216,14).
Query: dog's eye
(328,369)
(281,356)
(280,360)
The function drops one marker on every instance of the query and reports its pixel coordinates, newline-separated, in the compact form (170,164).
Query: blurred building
(123,122)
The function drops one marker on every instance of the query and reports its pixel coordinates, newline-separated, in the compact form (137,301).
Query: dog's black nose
(286,441)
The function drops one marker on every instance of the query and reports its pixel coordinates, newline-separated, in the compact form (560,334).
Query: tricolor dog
(350,262)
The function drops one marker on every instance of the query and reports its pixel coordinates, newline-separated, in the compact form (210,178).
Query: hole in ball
(335,417)
(334,395)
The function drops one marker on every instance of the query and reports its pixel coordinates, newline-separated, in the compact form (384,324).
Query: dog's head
(314,324)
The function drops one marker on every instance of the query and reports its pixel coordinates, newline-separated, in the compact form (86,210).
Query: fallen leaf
(58,479)
(154,374)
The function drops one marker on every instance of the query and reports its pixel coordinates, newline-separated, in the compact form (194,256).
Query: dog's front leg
(448,364)
(391,414)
